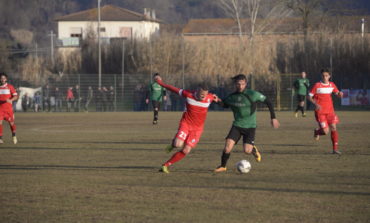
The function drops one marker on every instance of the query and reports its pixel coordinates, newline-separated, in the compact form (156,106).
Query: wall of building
(140,29)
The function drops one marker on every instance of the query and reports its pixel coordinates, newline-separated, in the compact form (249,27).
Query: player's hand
(165,98)
(158,78)
(317,107)
(275,123)
(340,94)
(147,101)
(9,101)
(216,98)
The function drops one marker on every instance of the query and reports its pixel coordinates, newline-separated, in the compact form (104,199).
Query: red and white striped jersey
(195,113)
(321,93)
(6,91)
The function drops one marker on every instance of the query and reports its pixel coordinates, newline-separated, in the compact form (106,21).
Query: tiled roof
(107,13)
(279,25)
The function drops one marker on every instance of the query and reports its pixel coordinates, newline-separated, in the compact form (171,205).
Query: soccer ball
(243,166)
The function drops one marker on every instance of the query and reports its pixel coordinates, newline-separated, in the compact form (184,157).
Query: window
(76,32)
(125,32)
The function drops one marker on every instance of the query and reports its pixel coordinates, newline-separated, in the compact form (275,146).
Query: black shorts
(248,134)
(156,104)
(301,98)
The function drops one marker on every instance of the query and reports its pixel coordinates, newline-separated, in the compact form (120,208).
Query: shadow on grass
(72,167)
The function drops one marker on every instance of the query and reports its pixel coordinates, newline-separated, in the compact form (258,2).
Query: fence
(128,93)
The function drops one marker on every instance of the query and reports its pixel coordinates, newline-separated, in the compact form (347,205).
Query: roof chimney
(153,14)
(147,13)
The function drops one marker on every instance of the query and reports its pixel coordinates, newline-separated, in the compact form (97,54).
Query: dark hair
(325,70)
(4,74)
(203,86)
(239,77)
(155,74)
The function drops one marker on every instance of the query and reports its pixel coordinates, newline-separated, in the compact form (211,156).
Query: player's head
(202,91)
(3,78)
(240,82)
(325,75)
(156,76)
(303,74)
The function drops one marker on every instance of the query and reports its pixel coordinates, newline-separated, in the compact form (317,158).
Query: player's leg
(180,137)
(248,143)
(333,120)
(303,98)
(1,131)
(299,105)
(156,106)
(13,128)
(190,142)
(323,126)
(231,139)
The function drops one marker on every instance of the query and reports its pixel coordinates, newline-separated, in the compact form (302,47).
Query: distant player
(192,121)
(156,93)
(7,95)
(243,103)
(320,96)
(301,87)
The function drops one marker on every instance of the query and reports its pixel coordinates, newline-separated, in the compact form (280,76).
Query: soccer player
(320,96)
(243,103)
(301,86)
(7,95)
(192,121)
(156,93)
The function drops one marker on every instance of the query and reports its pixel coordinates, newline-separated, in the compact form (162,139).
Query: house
(222,29)
(115,22)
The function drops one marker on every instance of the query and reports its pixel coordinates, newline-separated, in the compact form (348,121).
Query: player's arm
(274,122)
(313,101)
(338,93)
(147,93)
(14,96)
(169,87)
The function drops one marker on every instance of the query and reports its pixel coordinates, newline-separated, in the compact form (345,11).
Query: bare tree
(305,8)
(234,8)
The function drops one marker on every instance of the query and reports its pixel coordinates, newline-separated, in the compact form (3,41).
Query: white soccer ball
(243,166)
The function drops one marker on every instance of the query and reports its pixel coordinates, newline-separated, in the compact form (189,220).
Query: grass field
(103,167)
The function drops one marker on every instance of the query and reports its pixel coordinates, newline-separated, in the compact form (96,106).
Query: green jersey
(243,105)
(301,86)
(156,92)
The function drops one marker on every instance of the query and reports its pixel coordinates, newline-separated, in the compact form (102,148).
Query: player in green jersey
(156,93)
(301,87)
(243,105)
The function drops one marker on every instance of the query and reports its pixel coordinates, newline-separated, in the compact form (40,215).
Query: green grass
(103,167)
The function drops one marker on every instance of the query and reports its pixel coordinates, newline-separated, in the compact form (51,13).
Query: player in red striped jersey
(7,95)
(320,96)
(192,121)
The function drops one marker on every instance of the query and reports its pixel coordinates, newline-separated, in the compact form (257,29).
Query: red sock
(334,139)
(13,128)
(175,158)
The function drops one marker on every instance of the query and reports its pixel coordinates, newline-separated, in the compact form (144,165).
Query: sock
(1,130)
(302,109)
(319,132)
(334,139)
(155,115)
(298,108)
(224,158)
(13,128)
(175,158)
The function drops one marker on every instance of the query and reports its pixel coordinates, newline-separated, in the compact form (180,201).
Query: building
(115,22)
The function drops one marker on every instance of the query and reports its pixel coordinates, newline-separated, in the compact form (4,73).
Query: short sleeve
(335,90)
(184,93)
(13,92)
(257,96)
(313,90)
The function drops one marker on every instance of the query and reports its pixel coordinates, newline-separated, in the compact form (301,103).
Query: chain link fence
(128,93)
